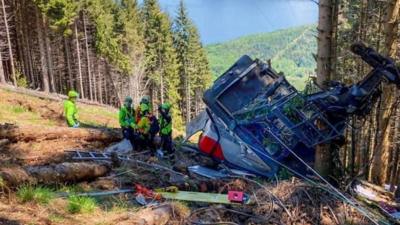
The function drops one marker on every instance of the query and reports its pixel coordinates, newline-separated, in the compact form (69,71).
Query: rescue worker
(166,128)
(144,100)
(70,110)
(143,126)
(127,121)
(147,125)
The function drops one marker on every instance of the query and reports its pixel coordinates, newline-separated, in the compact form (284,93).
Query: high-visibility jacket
(70,112)
(126,117)
(144,124)
(139,112)
(166,124)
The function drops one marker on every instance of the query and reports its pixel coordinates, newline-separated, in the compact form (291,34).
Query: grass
(18,109)
(80,204)
(11,111)
(41,195)
(72,189)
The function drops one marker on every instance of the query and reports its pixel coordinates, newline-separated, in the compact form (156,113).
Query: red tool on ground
(147,192)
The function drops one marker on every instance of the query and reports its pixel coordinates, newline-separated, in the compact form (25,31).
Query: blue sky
(222,20)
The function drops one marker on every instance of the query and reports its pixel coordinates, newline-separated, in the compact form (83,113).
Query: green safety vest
(126,117)
(70,112)
(165,127)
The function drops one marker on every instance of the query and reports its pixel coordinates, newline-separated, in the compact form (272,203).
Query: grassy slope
(291,52)
(26,110)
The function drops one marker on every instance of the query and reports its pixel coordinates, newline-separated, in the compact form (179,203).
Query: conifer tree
(193,65)
(161,59)
(133,46)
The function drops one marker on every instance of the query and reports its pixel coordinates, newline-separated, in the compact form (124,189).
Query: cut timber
(153,216)
(33,133)
(58,173)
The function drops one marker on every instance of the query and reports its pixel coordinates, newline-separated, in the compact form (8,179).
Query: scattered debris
(377,197)
(123,147)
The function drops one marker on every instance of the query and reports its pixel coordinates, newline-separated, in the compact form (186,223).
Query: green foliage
(17,109)
(40,195)
(129,26)
(21,80)
(81,204)
(60,13)
(193,66)
(108,39)
(290,50)
(289,109)
(161,59)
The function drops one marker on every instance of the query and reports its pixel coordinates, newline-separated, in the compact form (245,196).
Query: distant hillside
(290,50)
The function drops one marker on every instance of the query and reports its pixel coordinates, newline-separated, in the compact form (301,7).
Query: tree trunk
(53,174)
(78,53)
(396,142)
(383,143)
(2,76)
(42,49)
(88,58)
(99,83)
(10,52)
(68,61)
(323,157)
(49,57)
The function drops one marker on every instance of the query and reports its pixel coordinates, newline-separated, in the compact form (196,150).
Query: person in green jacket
(70,109)
(166,128)
(126,117)
(147,127)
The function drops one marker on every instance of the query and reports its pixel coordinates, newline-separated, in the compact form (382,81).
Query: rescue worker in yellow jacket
(166,128)
(127,121)
(147,127)
(70,109)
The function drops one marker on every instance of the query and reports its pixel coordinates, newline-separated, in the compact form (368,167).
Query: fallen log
(33,133)
(52,174)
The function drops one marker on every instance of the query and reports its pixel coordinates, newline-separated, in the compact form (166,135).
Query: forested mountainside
(290,51)
(105,50)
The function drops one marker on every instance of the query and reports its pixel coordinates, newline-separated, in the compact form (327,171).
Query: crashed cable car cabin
(257,122)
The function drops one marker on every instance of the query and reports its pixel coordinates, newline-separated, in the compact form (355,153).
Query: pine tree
(193,65)
(102,12)
(133,45)
(161,59)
